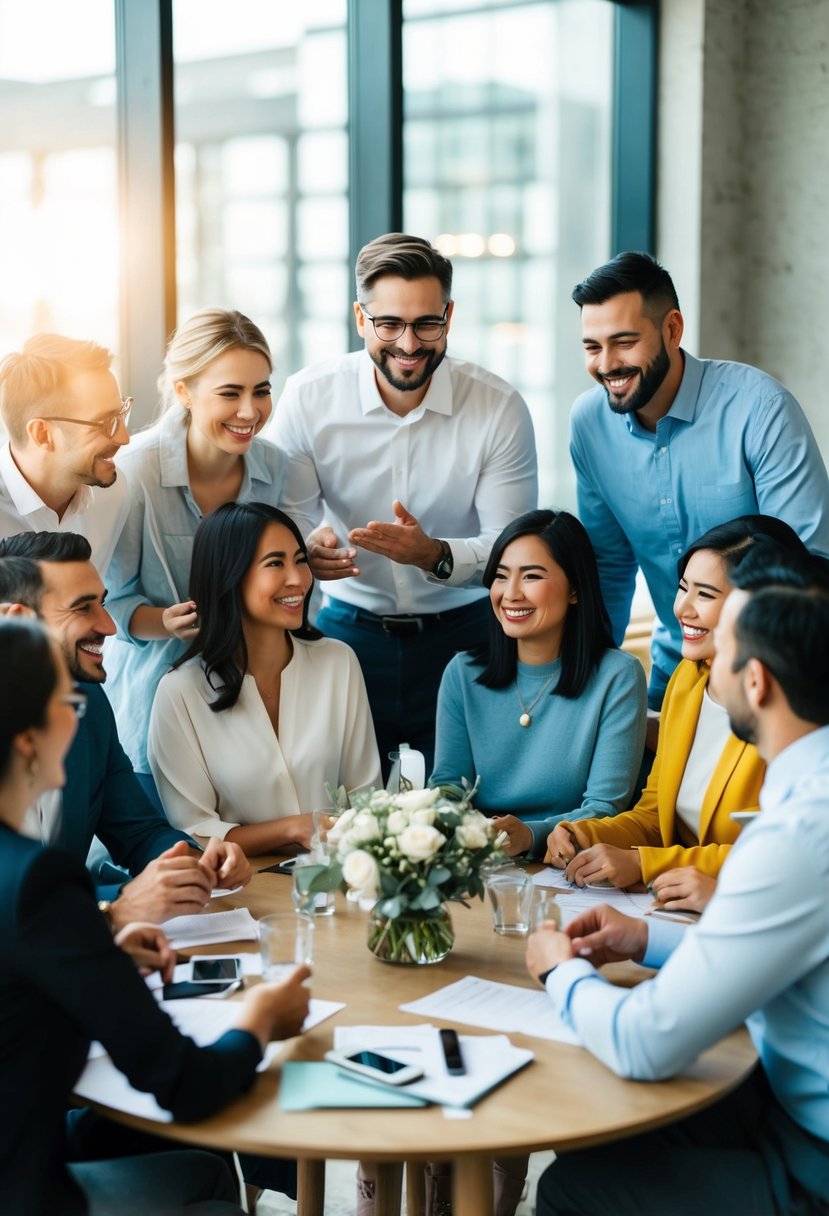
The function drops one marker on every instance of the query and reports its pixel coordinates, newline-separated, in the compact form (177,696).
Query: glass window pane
(262,168)
(58,172)
(507,169)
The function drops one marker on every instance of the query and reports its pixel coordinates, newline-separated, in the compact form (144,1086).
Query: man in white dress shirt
(65,420)
(417,460)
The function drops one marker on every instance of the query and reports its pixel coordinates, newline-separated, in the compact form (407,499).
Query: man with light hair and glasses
(65,420)
(760,953)
(418,461)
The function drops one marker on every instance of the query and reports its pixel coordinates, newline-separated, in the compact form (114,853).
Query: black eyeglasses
(109,425)
(78,702)
(426,329)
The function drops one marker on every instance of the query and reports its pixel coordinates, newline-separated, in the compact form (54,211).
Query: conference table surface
(565,1099)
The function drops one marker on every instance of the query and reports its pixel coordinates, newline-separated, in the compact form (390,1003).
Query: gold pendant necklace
(526,716)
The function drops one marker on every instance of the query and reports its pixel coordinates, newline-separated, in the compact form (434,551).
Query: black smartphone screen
(185,988)
(452,1052)
(372,1060)
(213,969)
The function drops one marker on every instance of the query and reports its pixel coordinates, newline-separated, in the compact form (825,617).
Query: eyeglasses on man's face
(426,329)
(108,424)
(78,702)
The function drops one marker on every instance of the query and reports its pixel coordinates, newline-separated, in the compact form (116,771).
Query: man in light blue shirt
(760,953)
(670,445)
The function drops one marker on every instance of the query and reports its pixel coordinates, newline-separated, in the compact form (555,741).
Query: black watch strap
(445,564)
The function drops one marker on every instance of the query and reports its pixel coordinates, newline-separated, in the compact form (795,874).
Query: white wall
(743,190)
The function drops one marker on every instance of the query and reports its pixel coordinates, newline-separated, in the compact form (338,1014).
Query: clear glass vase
(412,940)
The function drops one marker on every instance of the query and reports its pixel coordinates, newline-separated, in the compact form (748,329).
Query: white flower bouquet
(411,853)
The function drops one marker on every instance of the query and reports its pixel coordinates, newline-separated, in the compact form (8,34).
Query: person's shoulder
(324,651)
(327,369)
(616,663)
(180,680)
(589,407)
(461,370)
(28,871)
(741,381)
(144,445)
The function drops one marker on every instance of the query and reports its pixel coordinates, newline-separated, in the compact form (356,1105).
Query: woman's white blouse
(216,771)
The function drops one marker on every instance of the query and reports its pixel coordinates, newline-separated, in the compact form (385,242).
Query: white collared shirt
(98,514)
(463,463)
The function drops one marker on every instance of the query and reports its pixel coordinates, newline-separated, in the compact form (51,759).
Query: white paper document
(488,1059)
(504,1007)
(203,1021)
(575,900)
(207,928)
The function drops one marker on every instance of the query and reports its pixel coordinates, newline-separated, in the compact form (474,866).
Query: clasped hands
(600,935)
(179,882)
(402,541)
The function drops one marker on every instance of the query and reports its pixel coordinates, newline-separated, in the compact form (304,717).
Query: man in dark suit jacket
(102,796)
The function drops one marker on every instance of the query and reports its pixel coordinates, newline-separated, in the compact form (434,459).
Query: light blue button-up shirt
(152,563)
(734,442)
(759,954)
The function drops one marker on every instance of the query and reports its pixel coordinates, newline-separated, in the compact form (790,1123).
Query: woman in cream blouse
(261,712)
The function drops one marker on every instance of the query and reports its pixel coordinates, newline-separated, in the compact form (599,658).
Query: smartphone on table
(209,976)
(374,1065)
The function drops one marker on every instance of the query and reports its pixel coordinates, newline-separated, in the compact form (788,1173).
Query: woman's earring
(32,770)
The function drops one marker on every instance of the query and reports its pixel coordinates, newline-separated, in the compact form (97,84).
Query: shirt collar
(795,763)
(684,405)
(25,499)
(438,397)
(173,455)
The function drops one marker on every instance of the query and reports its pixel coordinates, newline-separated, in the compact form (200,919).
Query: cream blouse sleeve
(177,760)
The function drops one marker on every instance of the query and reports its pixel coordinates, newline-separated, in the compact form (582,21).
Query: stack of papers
(489,1060)
(207,928)
(575,900)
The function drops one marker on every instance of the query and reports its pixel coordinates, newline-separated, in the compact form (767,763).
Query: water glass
(322,903)
(510,894)
(543,907)
(285,939)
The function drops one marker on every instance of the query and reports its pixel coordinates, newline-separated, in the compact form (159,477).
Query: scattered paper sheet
(495,1006)
(575,900)
(203,1021)
(207,928)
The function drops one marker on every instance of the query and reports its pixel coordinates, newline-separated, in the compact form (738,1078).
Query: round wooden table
(565,1099)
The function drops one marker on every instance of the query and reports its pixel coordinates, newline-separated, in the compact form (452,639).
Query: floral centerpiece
(410,853)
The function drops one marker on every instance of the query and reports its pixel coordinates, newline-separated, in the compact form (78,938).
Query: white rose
(415,800)
(473,832)
(361,872)
(426,814)
(420,841)
(364,828)
(397,821)
(340,824)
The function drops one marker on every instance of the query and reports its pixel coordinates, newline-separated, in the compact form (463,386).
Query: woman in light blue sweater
(551,717)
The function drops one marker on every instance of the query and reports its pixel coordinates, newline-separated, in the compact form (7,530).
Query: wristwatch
(445,564)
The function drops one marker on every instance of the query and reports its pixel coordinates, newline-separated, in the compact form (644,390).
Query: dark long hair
(586,634)
(223,550)
(27,661)
(733,540)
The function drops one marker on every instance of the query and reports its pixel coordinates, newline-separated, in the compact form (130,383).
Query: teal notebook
(312,1085)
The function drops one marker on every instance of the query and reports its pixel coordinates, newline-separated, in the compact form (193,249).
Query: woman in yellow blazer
(702,772)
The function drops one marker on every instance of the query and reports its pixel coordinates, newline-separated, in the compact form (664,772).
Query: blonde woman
(203,451)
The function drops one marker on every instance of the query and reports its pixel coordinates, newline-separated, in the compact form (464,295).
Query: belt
(408,624)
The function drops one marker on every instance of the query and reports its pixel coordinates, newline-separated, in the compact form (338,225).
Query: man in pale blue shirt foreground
(669,446)
(760,954)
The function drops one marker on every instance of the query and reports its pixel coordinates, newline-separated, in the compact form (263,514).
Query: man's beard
(77,671)
(651,380)
(744,725)
(383,361)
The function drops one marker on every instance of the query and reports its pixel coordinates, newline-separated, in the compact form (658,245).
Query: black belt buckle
(402,627)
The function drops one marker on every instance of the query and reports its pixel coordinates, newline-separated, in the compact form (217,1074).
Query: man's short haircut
(405,257)
(47,547)
(785,624)
(21,582)
(33,379)
(630,272)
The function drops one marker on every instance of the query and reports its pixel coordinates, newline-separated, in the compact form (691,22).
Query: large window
(507,138)
(58,171)
(261,169)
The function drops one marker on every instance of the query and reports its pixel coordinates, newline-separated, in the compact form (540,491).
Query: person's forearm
(147,625)
(268,837)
